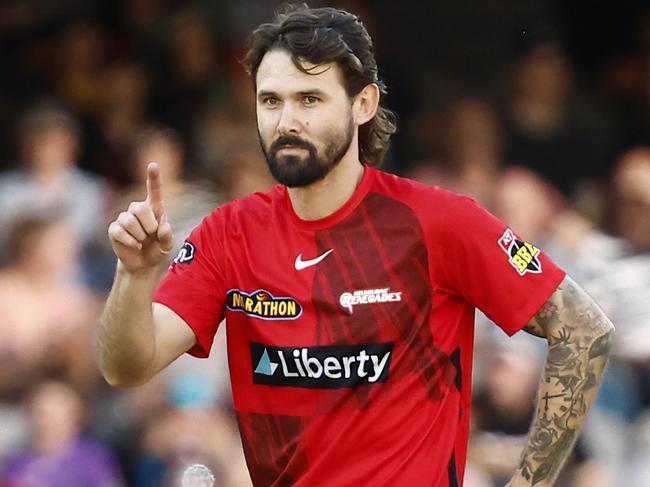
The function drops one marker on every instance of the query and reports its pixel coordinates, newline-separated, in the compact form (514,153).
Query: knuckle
(120,232)
(130,224)
(126,236)
(124,217)
(141,208)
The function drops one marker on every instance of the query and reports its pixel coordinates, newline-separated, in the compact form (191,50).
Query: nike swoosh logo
(303,264)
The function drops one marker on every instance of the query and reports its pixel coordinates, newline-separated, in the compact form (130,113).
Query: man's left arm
(579,342)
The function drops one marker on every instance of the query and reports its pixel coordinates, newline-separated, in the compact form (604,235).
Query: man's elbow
(123,379)
(602,342)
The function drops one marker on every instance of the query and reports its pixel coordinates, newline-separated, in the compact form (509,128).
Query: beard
(296,171)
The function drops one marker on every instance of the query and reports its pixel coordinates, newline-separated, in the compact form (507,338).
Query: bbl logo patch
(262,304)
(522,255)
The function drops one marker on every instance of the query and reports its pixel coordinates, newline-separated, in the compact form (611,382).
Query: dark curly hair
(325,35)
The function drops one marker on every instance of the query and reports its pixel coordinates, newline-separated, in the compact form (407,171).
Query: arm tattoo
(579,339)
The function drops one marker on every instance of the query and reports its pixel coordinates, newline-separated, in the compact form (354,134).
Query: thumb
(164,235)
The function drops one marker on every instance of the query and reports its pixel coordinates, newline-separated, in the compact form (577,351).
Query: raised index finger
(154,185)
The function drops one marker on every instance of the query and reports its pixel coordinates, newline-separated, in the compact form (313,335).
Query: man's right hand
(141,237)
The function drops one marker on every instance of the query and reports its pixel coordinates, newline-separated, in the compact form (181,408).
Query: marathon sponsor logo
(326,367)
(368,296)
(523,256)
(262,304)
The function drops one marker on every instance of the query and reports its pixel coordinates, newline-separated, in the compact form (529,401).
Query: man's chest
(338,285)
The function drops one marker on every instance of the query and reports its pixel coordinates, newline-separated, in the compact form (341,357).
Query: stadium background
(539,109)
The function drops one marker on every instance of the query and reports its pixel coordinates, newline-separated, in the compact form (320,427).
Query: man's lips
(291,147)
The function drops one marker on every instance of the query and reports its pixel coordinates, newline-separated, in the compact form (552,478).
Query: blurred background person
(50,139)
(539,213)
(503,406)
(474,147)
(58,455)
(189,197)
(48,319)
(195,428)
(191,72)
(553,128)
(462,147)
(79,69)
(621,436)
(124,111)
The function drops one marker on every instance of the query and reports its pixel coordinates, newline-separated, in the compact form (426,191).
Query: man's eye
(270,101)
(310,100)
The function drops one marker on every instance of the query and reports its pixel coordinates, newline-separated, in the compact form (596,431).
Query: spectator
(195,430)
(628,275)
(218,135)
(549,128)
(474,147)
(191,74)
(528,204)
(125,90)
(616,271)
(245,173)
(503,406)
(83,46)
(47,318)
(58,455)
(50,139)
(188,200)
(465,142)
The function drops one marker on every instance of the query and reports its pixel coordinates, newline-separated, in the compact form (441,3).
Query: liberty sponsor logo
(326,367)
(262,304)
(368,296)
(186,253)
(523,256)
(300,264)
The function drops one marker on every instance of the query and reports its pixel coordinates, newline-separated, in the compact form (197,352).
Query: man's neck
(324,197)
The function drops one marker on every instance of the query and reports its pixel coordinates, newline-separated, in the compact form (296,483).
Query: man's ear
(365,104)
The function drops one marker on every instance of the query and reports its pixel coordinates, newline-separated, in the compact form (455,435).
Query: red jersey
(350,338)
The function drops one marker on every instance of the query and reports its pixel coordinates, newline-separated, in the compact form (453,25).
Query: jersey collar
(350,205)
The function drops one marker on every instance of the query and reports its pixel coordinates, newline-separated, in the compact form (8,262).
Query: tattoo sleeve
(579,341)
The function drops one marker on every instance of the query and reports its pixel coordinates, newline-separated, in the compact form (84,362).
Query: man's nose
(289,122)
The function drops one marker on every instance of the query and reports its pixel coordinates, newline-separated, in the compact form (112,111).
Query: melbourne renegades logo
(523,256)
(186,253)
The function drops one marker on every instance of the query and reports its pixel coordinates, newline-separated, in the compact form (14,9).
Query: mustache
(289,140)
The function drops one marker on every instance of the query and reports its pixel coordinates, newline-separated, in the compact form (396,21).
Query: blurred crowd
(92,91)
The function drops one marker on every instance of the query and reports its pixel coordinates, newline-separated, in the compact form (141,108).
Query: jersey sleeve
(194,286)
(483,261)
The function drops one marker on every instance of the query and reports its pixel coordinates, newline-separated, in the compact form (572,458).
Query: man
(58,454)
(50,139)
(348,293)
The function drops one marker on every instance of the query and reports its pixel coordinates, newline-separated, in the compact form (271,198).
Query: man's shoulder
(410,190)
(252,207)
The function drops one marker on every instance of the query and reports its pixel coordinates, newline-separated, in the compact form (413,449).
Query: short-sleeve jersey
(350,338)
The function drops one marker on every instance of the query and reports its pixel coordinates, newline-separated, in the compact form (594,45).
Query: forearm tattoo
(579,337)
